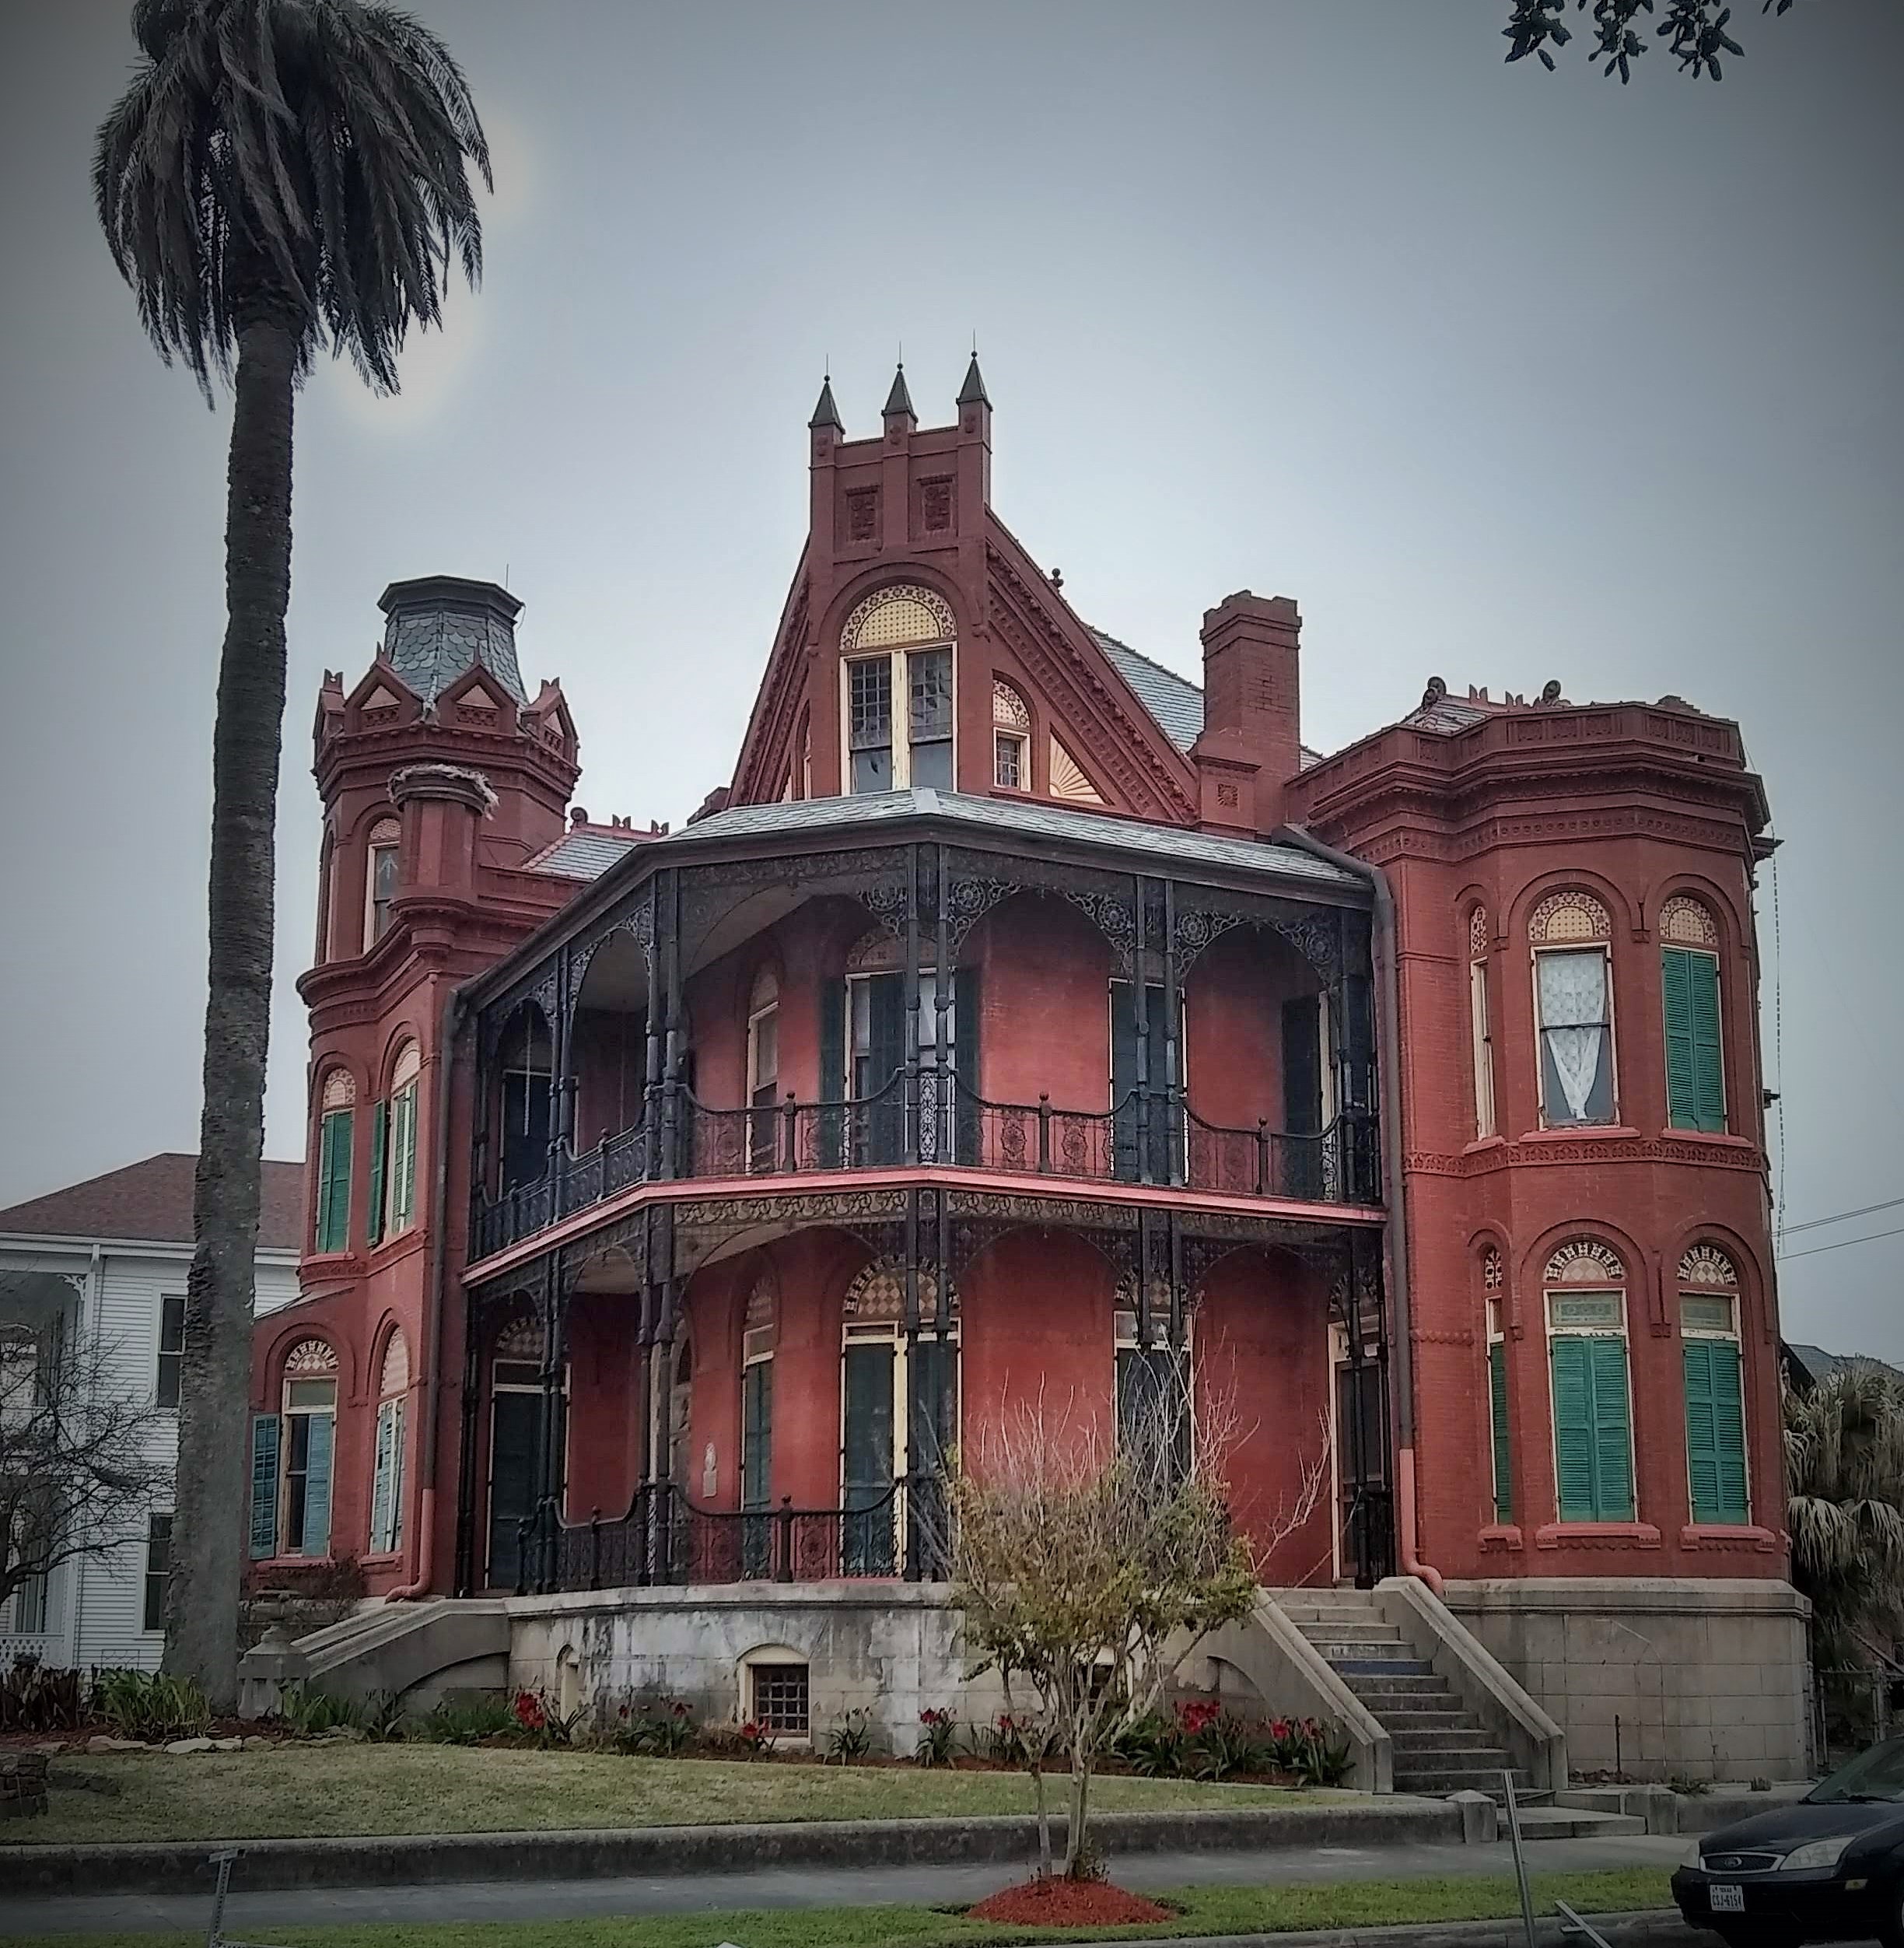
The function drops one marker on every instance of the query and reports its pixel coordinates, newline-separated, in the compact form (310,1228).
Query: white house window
(1011,738)
(898,650)
(763,1070)
(157,1568)
(380,879)
(1586,1303)
(171,1349)
(1571,935)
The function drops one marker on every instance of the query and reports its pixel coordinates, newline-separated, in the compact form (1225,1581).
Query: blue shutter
(317,1538)
(1612,1432)
(263,1485)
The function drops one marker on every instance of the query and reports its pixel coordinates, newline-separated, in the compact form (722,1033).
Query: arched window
(1696,1097)
(1482,1037)
(759,1335)
(380,879)
(387,1493)
(1493,1284)
(393,1150)
(763,1058)
(897,645)
(291,1457)
(1571,935)
(326,855)
(527,1054)
(1585,1293)
(1155,1385)
(1717,1478)
(337,1120)
(862,1053)
(1011,737)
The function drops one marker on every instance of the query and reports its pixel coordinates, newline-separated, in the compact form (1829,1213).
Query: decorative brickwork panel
(935,505)
(863,515)
(877,1294)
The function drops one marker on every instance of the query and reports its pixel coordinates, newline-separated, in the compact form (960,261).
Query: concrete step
(1469,1776)
(1573,1823)
(1372,1687)
(1333,1630)
(1369,1662)
(1421,1715)
(1466,1738)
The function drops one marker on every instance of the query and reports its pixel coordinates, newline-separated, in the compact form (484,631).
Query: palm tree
(282,178)
(1844,1448)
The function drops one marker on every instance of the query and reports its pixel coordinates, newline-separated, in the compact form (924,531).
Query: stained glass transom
(1477,932)
(521,1339)
(1585,1261)
(878,1294)
(1492,1276)
(340,1089)
(310,1357)
(1707,1265)
(893,616)
(1009,711)
(1687,923)
(1566,917)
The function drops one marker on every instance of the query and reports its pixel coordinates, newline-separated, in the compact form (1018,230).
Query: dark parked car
(1829,1867)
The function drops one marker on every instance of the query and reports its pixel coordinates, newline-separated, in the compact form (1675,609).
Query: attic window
(380,879)
(1011,738)
(909,632)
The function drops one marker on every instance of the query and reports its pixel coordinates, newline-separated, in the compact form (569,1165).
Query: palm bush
(1844,1455)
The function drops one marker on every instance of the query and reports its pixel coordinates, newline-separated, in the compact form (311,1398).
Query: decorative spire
(826,413)
(899,400)
(973,392)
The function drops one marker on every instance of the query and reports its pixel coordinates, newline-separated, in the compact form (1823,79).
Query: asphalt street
(249,1915)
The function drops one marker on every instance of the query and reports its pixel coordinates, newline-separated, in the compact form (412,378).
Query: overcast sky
(1504,375)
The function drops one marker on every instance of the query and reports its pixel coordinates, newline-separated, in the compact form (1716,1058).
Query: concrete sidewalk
(472,1901)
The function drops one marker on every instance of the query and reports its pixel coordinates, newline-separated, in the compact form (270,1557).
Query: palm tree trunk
(209,1518)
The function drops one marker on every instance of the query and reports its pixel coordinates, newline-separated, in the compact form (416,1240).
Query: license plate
(1725,1899)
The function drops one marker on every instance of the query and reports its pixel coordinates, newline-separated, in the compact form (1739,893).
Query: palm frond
(312,160)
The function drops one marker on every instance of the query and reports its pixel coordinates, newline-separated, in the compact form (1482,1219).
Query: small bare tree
(77,1471)
(1091,1560)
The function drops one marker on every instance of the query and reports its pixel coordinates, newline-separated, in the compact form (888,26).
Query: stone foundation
(1708,1679)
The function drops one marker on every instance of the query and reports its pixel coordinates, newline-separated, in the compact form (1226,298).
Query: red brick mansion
(1022,1016)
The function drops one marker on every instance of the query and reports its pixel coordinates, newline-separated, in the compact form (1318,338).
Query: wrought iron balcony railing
(932,1117)
(665,1539)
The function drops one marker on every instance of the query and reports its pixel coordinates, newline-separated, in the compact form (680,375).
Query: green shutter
(757,1434)
(334,1176)
(320,1434)
(1716,1432)
(967,1134)
(402,1157)
(380,1138)
(263,1485)
(832,1071)
(1573,1429)
(1695,1047)
(1612,1432)
(1497,1401)
(1593,1430)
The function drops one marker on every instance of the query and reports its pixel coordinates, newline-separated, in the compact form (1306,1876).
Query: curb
(1657,1928)
(164,1866)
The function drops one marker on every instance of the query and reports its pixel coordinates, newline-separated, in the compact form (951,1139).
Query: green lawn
(1206,1910)
(296,1791)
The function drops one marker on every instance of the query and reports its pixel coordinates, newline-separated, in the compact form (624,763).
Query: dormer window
(1011,738)
(380,879)
(898,648)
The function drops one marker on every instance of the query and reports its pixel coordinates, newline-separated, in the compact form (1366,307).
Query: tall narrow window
(516,1409)
(1011,738)
(897,697)
(1492,1280)
(327,856)
(1153,1392)
(380,879)
(757,1354)
(1586,1301)
(1571,934)
(525,1106)
(1717,1476)
(386,1492)
(171,1349)
(1154,1154)
(763,1071)
(307,1446)
(157,1568)
(1696,1098)
(336,1140)
(1483,1040)
(400,1142)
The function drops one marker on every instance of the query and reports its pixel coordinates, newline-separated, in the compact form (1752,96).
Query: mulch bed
(1068,1904)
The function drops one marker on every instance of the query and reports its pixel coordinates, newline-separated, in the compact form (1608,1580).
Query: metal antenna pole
(222,1861)
(1519,1861)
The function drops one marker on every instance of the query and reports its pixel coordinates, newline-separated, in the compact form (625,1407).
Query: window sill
(260,1565)
(1715,1535)
(1597,1534)
(1719,1139)
(381,1558)
(1580,1133)
(1495,1142)
(1502,1535)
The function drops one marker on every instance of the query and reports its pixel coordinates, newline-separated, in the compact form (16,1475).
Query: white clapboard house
(110,1257)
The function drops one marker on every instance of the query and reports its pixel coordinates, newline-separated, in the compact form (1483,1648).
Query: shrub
(151,1705)
(1004,1742)
(1223,1745)
(304,1711)
(850,1738)
(467,1724)
(382,1718)
(1321,1757)
(938,1739)
(34,1698)
(755,1737)
(1152,1745)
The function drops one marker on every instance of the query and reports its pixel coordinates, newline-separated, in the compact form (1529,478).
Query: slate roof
(152,1203)
(586,852)
(1175,701)
(1818,1364)
(436,628)
(791,817)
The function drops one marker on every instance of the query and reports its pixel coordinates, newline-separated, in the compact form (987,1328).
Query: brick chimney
(1251,737)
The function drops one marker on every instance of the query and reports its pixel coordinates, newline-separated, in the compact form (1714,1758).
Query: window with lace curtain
(1571,936)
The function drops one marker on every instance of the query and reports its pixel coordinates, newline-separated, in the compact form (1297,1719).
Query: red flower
(529,1712)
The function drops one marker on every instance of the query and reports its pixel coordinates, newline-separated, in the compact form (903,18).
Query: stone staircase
(1439,1746)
